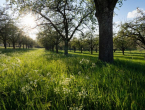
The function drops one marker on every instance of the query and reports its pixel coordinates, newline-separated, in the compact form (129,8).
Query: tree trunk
(13,45)
(81,50)
(104,14)
(5,44)
(74,49)
(123,51)
(105,37)
(56,48)
(52,48)
(66,48)
(9,45)
(19,46)
(96,50)
(23,46)
(91,50)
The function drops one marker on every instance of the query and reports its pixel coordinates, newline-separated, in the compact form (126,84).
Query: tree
(123,42)
(4,26)
(74,43)
(104,14)
(68,15)
(91,41)
(136,28)
(80,42)
(49,38)
(14,34)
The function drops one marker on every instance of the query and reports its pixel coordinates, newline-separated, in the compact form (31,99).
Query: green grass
(37,79)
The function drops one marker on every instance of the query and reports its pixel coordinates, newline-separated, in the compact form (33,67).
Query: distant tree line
(11,34)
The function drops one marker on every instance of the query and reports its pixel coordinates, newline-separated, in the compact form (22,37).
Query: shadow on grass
(10,51)
(125,64)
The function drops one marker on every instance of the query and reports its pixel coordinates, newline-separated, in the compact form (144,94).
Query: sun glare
(28,21)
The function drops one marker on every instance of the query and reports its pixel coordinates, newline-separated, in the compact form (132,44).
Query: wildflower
(76,108)
(84,61)
(87,77)
(48,74)
(66,81)
(79,72)
(56,90)
(19,61)
(93,65)
(66,91)
(31,82)
(83,93)
(36,70)
(72,77)
(5,69)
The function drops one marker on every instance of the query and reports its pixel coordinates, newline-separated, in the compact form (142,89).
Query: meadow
(37,79)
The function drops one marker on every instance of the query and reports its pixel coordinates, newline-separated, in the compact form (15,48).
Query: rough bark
(106,37)
(104,14)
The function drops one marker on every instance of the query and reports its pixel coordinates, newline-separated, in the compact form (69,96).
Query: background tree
(71,15)
(14,34)
(136,28)
(123,42)
(81,42)
(4,26)
(74,43)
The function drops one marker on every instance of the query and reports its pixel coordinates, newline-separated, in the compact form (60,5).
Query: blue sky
(125,12)
(128,6)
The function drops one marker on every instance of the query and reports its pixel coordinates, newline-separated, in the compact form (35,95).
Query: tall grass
(39,79)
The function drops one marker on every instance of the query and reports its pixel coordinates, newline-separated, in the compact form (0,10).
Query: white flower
(48,74)
(66,91)
(76,108)
(87,77)
(93,65)
(79,72)
(36,70)
(31,82)
(84,61)
(56,90)
(72,77)
(66,81)
(5,69)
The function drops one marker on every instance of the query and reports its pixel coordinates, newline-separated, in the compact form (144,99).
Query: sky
(124,13)
(128,10)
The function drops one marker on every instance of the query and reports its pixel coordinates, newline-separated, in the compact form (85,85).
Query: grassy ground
(39,80)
